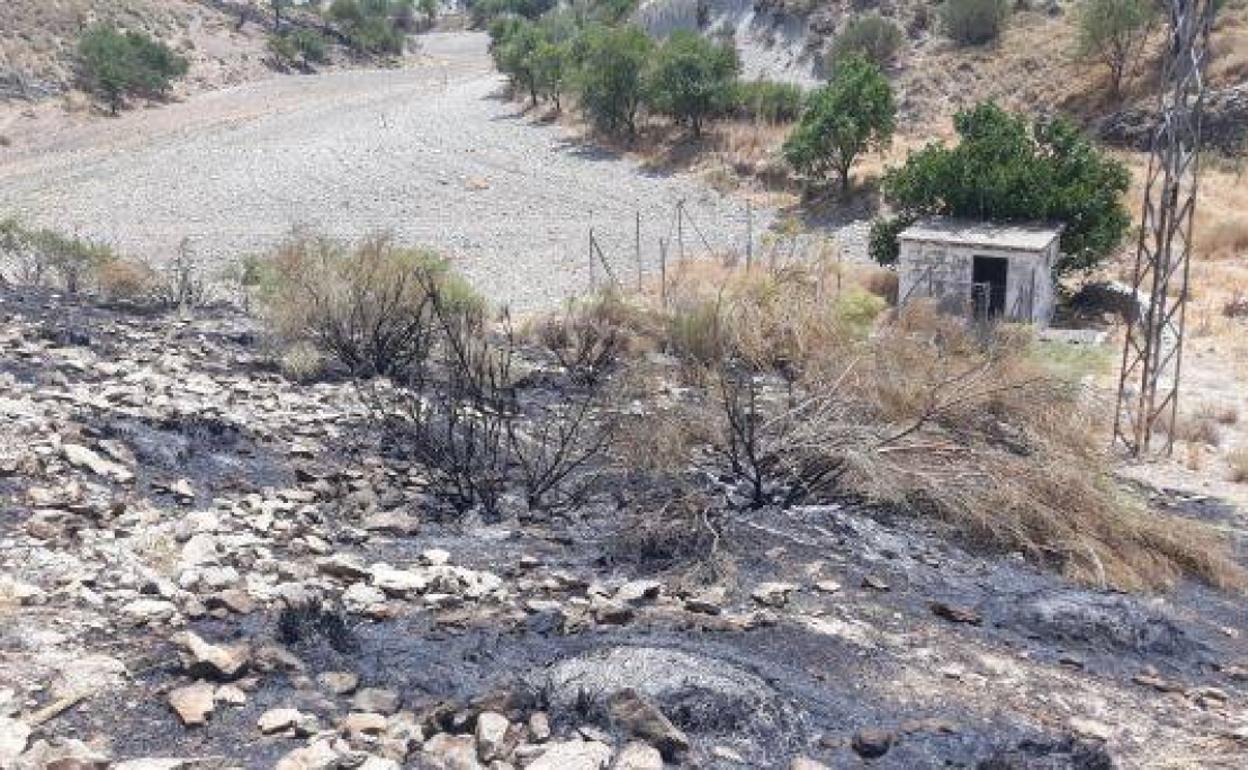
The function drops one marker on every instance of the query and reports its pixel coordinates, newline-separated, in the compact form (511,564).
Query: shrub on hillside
(872,36)
(42,256)
(768,101)
(299,48)
(1007,169)
(1113,32)
(114,65)
(365,306)
(691,79)
(373,27)
(974,22)
(851,114)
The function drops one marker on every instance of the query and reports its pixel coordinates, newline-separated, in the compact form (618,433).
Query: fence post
(680,229)
(593,281)
(637,249)
(749,235)
(663,273)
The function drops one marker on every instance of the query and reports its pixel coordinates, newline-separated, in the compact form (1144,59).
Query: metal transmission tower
(1152,357)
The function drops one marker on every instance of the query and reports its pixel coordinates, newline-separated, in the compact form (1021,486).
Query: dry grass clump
(365,306)
(805,394)
(1238,460)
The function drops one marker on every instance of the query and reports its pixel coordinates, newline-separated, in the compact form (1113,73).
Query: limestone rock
(193,703)
(773,594)
(13,737)
(491,735)
(377,700)
(643,719)
(573,755)
(638,756)
(79,456)
(450,752)
(212,661)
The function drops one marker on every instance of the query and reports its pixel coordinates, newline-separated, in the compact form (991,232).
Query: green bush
(44,255)
(767,100)
(373,27)
(1004,169)
(883,245)
(114,65)
(300,47)
(843,119)
(365,306)
(692,78)
(611,77)
(974,22)
(872,36)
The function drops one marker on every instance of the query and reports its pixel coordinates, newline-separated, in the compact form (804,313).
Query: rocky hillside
(38,37)
(1033,67)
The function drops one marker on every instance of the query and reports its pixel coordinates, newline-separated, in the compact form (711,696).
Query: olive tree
(843,119)
(692,78)
(1113,32)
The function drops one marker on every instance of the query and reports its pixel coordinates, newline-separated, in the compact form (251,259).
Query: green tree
(114,65)
(551,63)
(611,77)
(692,78)
(843,119)
(974,22)
(516,55)
(429,9)
(1113,32)
(1004,169)
(871,36)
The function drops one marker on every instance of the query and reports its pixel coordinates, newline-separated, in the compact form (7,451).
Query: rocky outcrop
(1224,127)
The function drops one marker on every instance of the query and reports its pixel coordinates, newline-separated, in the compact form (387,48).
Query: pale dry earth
(433,153)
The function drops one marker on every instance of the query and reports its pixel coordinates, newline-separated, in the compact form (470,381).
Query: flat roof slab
(963,232)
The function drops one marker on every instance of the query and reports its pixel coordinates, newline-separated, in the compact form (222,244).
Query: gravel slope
(432,153)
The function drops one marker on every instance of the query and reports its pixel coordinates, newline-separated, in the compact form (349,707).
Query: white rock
(638,756)
(573,755)
(491,735)
(79,456)
(13,737)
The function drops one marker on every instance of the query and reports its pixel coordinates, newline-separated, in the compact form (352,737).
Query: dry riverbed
(432,152)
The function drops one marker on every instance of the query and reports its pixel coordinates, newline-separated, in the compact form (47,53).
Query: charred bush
(308,622)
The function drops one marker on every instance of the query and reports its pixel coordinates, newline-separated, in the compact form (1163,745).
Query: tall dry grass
(919,413)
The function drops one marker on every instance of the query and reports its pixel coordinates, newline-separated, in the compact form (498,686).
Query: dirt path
(432,153)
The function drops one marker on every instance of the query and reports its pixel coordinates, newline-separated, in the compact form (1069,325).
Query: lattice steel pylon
(1152,356)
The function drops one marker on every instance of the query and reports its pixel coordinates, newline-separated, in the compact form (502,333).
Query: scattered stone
(230,695)
(193,703)
(287,721)
(364,723)
(319,755)
(435,557)
(81,457)
(955,614)
(638,716)
(875,583)
(773,594)
(573,755)
(871,744)
(13,737)
(804,763)
(491,735)
(451,752)
(539,726)
(1090,728)
(63,754)
(203,660)
(638,756)
(343,566)
(639,591)
(827,586)
(392,523)
(339,682)
(377,700)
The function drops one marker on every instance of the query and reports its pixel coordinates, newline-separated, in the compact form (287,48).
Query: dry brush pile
(739,389)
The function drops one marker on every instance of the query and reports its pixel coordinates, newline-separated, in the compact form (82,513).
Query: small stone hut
(980,270)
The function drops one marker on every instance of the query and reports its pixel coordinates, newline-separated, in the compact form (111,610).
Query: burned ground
(254,511)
